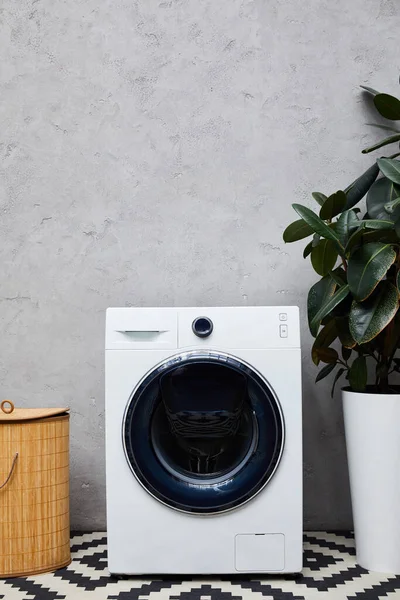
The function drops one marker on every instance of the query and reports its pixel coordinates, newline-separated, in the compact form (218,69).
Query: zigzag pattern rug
(329,571)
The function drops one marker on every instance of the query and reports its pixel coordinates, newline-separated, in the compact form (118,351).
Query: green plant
(358,258)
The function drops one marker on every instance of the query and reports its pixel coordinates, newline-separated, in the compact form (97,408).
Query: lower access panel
(260,552)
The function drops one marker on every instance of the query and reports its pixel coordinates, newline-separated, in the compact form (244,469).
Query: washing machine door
(203,432)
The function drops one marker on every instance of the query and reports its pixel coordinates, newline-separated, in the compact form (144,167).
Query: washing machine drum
(203,432)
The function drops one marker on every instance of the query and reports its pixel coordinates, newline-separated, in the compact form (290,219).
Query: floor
(329,572)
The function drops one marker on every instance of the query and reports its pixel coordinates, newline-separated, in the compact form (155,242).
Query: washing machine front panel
(203,432)
(172,541)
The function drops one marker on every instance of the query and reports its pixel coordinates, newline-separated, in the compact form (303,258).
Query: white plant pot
(372,427)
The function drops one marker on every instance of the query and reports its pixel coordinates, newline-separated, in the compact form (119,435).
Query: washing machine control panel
(257,327)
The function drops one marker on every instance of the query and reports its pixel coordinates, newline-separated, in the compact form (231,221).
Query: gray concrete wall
(150,152)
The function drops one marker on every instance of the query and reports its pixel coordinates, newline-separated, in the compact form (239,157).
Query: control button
(283,316)
(283,331)
(202,327)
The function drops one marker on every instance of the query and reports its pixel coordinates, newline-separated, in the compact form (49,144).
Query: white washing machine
(204,440)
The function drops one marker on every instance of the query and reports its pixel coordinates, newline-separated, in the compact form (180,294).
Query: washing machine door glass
(203,432)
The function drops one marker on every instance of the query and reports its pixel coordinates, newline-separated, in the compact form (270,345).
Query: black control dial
(202,327)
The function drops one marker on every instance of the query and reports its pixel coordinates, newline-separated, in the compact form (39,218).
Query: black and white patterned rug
(329,571)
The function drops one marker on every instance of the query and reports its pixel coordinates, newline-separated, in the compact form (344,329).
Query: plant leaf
(333,205)
(338,375)
(347,221)
(319,293)
(324,372)
(345,337)
(354,239)
(358,374)
(398,280)
(357,190)
(377,223)
(297,231)
(390,168)
(382,192)
(369,90)
(387,236)
(389,140)
(307,250)
(324,339)
(327,355)
(367,319)
(320,198)
(388,106)
(339,276)
(367,266)
(317,224)
(324,257)
(390,206)
(327,307)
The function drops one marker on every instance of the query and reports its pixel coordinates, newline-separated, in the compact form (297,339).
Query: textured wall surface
(150,152)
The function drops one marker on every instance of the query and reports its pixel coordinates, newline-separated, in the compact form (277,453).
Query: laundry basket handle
(10,407)
(11,471)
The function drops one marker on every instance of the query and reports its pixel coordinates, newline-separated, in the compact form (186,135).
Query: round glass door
(203,432)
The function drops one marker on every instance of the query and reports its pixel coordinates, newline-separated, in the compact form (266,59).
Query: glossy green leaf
(355,239)
(339,276)
(328,307)
(369,90)
(319,293)
(343,330)
(382,192)
(367,319)
(345,224)
(317,224)
(320,198)
(387,236)
(324,339)
(398,281)
(367,266)
(324,257)
(377,224)
(338,375)
(391,206)
(358,374)
(333,205)
(307,250)
(390,168)
(388,106)
(297,231)
(324,372)
(389,140)
(357,190)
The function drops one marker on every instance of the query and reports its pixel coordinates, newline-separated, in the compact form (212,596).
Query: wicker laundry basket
(34,490)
